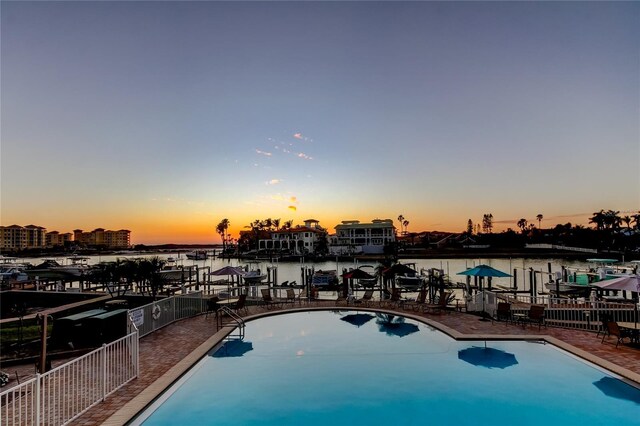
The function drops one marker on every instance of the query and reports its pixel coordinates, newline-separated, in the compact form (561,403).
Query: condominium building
(353,237)
(55,238)
(17,237)
(102,237)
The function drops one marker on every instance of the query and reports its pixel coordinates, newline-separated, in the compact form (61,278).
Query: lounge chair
(292,297)
(395,300)
(534,316)
(420,300)
(267,300)
(366,298)
(503,312)
(619,333)
(441,306)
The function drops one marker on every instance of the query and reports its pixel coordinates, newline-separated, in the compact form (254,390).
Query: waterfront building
(299,240)
(55,238)
(353,237)
(16,237)
(103,237)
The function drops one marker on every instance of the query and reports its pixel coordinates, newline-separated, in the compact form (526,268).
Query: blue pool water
(348,368)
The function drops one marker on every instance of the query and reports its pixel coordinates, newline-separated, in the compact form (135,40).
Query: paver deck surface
(162,349)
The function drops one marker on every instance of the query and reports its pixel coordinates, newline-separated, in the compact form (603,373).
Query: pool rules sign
(137,317)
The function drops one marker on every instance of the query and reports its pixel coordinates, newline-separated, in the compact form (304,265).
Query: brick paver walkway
(161,350)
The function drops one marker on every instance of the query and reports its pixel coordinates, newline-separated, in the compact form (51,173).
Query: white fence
(578,314)
(64,393)
(155,315)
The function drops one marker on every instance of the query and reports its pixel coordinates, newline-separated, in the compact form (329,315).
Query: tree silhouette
(539,217)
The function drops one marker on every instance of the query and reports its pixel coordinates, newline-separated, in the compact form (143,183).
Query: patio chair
(534,316)
(604,319)
(421,300)
(366,298)
(503,312)
(267,300)
(240,305)
(212,306)
(291,296)
(619,333)
(443,301)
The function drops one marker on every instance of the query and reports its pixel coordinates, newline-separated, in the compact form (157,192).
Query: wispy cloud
(273,182)
(292,208)
(304,156)
(266,154)
(298,136)
(293,199)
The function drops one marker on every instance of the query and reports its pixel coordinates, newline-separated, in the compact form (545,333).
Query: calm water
(339,369)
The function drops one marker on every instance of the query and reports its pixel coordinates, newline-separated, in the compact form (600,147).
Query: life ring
(155,313)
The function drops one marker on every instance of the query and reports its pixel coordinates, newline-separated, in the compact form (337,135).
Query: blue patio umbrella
(487,357)
(615,388)
(484,271)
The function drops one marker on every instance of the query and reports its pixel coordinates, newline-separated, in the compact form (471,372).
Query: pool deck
(167,353)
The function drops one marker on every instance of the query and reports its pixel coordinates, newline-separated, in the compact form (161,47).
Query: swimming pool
(347,367)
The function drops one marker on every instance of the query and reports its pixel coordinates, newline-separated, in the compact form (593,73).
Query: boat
(176,273)
(196,255)
(254,277)
(563,288)
(324,278)
(51,269)
(409,282)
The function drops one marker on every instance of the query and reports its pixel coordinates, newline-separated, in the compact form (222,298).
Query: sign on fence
(137,316)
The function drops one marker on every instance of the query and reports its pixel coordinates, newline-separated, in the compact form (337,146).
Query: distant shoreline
(468,253)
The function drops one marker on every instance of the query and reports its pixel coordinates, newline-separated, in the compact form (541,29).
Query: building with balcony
(16,237)
(103,237)
(300,240)
(55,238)
(353,237)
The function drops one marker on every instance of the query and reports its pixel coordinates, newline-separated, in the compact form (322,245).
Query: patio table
(634,328)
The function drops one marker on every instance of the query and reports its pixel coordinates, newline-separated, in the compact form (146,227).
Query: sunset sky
(166,117)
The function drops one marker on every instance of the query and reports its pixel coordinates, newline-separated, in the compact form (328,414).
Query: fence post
(103,357)
(136,344)
(173,307)
(38,389)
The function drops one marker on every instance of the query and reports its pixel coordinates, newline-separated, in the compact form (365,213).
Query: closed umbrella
(484,271)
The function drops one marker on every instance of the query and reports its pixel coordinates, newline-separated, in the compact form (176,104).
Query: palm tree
(401,220)
(539,217)
(598,219)
(406,226)
(522,224)
(221,229)
(627,221)
(276,224)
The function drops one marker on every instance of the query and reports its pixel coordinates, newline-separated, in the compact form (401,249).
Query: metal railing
(64,393)
(155,315)
(237,319)
(579,314)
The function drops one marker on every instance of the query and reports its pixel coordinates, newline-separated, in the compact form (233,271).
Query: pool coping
(137,404)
